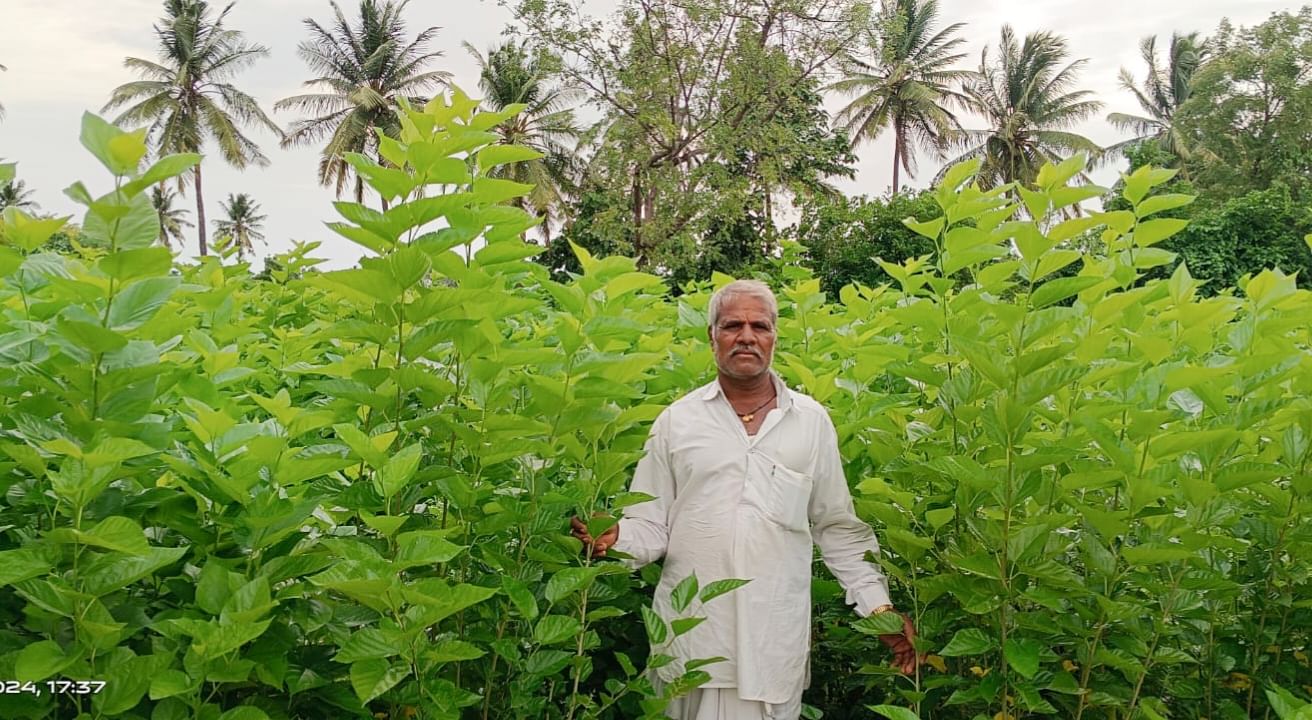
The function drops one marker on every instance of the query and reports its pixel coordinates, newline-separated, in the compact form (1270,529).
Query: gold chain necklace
(747,417)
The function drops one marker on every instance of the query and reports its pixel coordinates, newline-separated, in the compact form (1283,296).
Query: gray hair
(745,288)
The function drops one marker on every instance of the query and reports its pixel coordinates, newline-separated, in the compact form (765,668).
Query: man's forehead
(744,305)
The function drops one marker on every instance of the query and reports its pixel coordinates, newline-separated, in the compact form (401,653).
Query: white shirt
(730,505)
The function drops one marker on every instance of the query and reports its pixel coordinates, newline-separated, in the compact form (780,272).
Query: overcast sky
(65,56)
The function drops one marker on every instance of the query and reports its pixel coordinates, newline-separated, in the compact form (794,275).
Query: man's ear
(710,334)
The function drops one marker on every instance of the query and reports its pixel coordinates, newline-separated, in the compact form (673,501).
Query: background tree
(171,219)
(1165,89)
(1250,109)
(186,97)
(14,193)
(362,72)
(843,235)
(1025,94)
(242,222)
(691,96)
(908,85)
(510,75)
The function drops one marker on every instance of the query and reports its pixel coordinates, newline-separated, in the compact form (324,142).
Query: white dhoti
(724,704)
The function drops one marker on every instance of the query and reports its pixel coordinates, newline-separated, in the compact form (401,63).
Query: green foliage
(361,72)
(843,236)
(907,84)
(1249,109)
(691,155)
(187,97)
(1027,97)
(348,492)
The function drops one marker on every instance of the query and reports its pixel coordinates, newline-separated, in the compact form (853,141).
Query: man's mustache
(745,349)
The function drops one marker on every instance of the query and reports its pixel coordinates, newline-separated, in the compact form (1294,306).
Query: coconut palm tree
(1026,96)
(1164,90)
(362,72)
(242,222)
(14,194)
(908,84)
(171,219)
(510,75)
(186,98)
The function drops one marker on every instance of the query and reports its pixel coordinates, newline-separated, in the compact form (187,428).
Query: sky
(65,56)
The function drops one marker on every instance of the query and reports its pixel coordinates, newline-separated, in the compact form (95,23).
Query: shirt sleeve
(645,527)
(844,539)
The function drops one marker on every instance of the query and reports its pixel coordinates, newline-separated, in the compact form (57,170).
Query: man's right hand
(601,544)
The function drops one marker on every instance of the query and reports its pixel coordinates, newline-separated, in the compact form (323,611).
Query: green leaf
(25,232)
(453,651)
(1161,203)
(1022,655)
(507,251)
(939,517)
(369,644)
(93,338)
(929,229)
(657,631)
(1143,555)
(113,572)
(1059,289)
(137,303)
(24,564)
(720,587)
(552,629)
(1151,232)
(440,600)
(126,682)
(371,678)
(683,593)
(171,683)
(520,596)
(244,712)
(117,533)
(491,191)
(968,641)
(166,168)
(547,662)
(396,474)
(41,660)
(1285,703)
(684,625)
(892,712)
(129,265)
(408,265)
(249,603)
(496,155)
(424,547)
(121,223)
(885,623)
(568,581)
(120,152)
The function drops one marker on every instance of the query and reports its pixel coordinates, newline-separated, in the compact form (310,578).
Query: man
(746,475)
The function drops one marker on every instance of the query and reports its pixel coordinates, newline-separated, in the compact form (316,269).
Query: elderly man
(746,475)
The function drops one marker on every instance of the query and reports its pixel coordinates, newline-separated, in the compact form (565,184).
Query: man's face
(743,337)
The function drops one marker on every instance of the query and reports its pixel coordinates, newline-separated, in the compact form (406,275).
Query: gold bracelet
(886,607)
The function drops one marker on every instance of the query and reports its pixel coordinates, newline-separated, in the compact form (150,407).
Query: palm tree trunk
(200,215)
(897,156)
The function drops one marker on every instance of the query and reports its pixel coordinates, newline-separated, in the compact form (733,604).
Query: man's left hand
(903,646)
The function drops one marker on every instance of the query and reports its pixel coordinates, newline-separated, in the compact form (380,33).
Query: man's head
(742,320)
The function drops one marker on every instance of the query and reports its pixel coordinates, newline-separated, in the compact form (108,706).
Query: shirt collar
(785,396)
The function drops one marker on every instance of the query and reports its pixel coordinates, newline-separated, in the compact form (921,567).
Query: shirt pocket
(789,494)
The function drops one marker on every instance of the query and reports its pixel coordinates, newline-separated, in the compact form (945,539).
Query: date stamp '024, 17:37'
(52,687)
